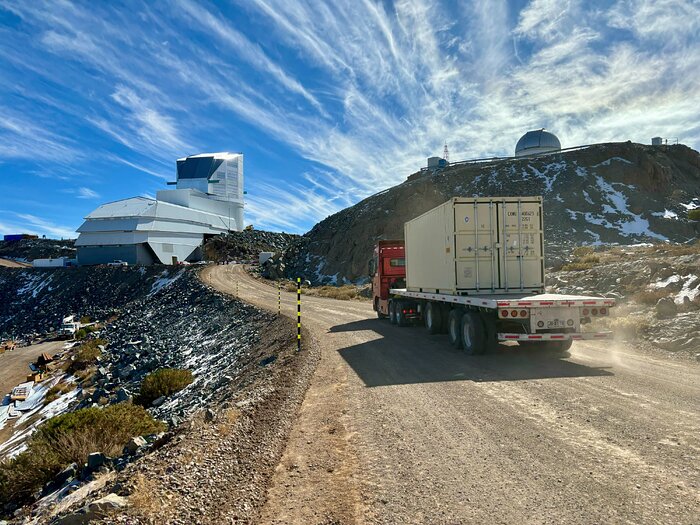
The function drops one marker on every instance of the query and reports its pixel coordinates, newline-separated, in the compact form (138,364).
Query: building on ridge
(207,201)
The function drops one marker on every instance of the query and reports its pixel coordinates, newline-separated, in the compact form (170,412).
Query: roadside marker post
(279,298)
(237,295)
(298,314)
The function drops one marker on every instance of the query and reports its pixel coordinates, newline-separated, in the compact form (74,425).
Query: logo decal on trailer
(466,219)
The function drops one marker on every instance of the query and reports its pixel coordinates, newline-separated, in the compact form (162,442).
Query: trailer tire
(454,327)
(473,334)
(559,347)
(392,312)
(445,311)
(433,318)
(400,316)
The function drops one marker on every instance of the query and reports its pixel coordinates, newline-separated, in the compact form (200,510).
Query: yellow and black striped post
(279,298)
(237,289)
(298,314)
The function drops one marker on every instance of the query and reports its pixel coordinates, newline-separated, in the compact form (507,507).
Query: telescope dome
(537,141)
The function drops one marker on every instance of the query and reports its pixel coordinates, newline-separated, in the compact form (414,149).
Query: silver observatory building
(207,201)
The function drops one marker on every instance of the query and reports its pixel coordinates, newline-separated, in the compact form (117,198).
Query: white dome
(537,141)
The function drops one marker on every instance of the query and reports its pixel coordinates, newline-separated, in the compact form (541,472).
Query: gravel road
(397,427)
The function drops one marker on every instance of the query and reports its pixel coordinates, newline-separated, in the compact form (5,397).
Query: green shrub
(163,382)
(69,438)
(85,319)
(57,390)
(84,332)
(694,215)
(86,355)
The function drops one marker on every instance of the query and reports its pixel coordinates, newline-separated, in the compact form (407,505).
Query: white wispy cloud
(366,90)
(32,224)
(86,193)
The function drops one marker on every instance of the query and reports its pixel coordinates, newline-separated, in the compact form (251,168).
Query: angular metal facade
(171,228)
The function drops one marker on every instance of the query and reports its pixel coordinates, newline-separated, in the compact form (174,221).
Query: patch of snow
(164,281)
(35,284)
(587,197)
(687,291)
(692,205)
(665,282)
(596,237)
(666,214)
(610,160)
(636,225)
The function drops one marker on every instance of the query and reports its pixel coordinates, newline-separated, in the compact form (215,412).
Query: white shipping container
(59,262)
(466,246)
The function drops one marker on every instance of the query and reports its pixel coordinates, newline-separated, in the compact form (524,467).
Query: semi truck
(473,268)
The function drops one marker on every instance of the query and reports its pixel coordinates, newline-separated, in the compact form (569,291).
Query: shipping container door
(520,232)
(476,257)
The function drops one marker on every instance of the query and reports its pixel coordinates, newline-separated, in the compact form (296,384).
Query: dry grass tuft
(650,297)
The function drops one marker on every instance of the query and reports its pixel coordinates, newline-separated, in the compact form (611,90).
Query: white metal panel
(477,245)
(430,250)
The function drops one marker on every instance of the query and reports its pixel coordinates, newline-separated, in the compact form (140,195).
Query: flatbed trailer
(474,268)
(536,307)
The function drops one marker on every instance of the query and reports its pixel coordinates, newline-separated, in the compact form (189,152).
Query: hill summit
(617,193)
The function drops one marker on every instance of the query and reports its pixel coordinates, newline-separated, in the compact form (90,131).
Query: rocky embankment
(247,245)
(226,428)
(657,289)
(620,193)
(30,249)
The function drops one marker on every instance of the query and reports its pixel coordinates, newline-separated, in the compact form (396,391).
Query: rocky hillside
(246,245)
(30,249)
(657,288)
(613,193)
(248,381)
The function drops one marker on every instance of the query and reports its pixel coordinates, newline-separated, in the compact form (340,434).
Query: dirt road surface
(397,427)
(14,264)
(14,365)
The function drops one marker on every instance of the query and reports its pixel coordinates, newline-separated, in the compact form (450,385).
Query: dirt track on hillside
(397,427)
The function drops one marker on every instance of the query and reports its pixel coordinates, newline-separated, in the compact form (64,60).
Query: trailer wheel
(400,316)
(473,334)
(559,347)
(454,327)
(433,318)
(392,312)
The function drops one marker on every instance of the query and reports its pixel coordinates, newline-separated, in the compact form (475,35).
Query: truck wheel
(454,327)
(559,347)
(392,312)
(473,334)
(433,318)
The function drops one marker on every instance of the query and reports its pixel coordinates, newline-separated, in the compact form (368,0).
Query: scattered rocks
(100,508)
(134,445)
(95,460)
(666,308)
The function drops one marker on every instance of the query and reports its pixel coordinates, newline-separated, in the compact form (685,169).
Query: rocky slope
(246,245)
(613,193)
(246,381)
(657,289)
(30,249)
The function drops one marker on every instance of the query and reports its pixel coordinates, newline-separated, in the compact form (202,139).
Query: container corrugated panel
(477,245)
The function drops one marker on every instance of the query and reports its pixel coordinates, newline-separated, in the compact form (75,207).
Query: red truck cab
(388,270)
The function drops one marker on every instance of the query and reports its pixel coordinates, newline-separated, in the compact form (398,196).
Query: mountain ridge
(613,193)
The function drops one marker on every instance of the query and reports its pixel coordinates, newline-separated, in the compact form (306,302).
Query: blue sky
(329,101)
